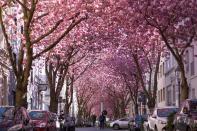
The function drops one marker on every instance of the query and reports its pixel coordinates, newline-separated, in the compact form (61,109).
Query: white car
(120,123)
(158,120)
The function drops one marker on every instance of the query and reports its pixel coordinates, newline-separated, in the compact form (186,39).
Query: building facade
(38,91)
(169,82)
(4,72)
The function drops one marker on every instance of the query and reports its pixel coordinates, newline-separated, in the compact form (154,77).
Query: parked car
(136,123)
(3,109)
(120,123)
(69,124)
(42,120)
(87,123)
(14,119)
(158,120)
(186,118)
(145,125)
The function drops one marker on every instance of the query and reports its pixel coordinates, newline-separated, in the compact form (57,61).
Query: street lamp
(177,74)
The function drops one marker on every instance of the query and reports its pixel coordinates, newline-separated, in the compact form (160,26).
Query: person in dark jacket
(102,119)
(93,120)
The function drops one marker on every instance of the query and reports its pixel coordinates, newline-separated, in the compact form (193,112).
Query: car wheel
(188,129)
(175,129)
(148,128)
(155,128)
(115,126)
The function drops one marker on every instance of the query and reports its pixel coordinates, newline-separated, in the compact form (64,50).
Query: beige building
(168,81)
(4,72)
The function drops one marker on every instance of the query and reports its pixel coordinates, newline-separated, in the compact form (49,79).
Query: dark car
(42,120)
(69,124)
(14,119)
(3,109)
(186,118)
(136,123)
(87,123)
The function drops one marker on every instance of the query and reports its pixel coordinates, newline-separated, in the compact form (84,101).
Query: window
(37,115)
(32,76)
(193,93)
(187,61)
(192,62)
(164,93)
(174,94)
(193,54)
(168,96)
(165,112)
(163,69)
(125,119)
(173,60)
(158,96)
(154,113)
(160,69)
(5,89)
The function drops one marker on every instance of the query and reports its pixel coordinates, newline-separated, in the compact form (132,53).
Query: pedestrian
(93,120)
(138,121)
(102,121)
(61,118)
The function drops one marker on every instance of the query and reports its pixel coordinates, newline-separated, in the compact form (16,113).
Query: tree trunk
(66,108)
(53,104)
(21,98)
(136,109)
(179,59)
(151,104)
(184,91)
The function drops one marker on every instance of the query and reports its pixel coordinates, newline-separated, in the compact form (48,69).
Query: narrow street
(98,63)
(96,129)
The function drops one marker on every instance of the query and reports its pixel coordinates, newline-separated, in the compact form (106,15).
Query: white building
(168,83)
(4,72)
(38,91)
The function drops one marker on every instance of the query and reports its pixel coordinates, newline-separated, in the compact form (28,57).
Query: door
(124,123)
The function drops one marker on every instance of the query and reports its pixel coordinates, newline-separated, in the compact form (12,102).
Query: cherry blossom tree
(76,72)
(43,27)
(56,68)
(147,63)
(86,90)
(175,22)
(125,68)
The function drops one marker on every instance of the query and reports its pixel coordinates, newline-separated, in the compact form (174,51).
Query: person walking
(93,120)
(61,120)
(102,121)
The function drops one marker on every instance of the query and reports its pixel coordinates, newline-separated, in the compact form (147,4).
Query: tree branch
(72,25)
(23,5)
(48,33)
